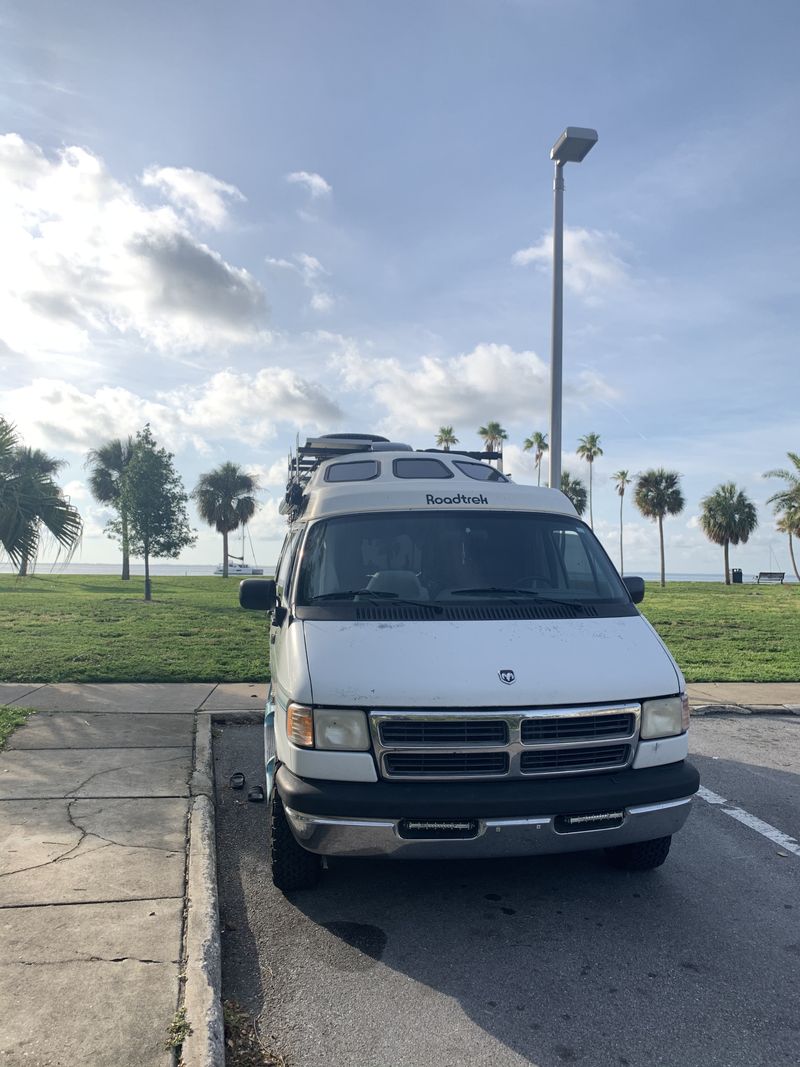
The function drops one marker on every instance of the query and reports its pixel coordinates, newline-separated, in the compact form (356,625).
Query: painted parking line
(777,837)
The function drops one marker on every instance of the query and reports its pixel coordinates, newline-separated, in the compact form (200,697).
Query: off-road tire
(641,856)
(292,866)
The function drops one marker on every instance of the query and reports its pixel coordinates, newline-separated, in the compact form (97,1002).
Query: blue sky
(249,220)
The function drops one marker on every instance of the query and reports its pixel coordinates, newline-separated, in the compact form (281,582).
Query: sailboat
(237,565)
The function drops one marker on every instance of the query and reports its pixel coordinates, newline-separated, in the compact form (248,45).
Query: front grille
(593,757)
(445,764)
(577,728)
(431,732)
(453,743)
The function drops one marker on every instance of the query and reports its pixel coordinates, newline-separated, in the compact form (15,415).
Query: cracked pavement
(93,839)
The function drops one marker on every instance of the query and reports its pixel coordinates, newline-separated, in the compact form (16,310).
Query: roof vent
(350,437)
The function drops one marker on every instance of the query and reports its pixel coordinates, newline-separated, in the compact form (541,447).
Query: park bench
(770,576)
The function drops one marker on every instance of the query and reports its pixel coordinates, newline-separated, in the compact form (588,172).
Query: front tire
(292,866)
(641,856)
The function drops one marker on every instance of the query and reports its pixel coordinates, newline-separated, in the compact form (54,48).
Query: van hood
(457,664)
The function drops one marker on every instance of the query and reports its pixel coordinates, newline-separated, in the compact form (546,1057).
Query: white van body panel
(456,664)
(289,664)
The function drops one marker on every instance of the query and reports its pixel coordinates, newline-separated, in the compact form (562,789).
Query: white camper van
(458,670)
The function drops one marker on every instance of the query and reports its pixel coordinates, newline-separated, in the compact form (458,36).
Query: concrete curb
(745,709)
(205,1045)
(202,781)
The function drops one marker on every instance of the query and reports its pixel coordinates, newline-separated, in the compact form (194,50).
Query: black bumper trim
(554,796)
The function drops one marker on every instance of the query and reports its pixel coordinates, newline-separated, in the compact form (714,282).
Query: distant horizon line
(137,569)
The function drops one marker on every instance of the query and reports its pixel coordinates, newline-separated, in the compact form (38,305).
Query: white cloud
(248,408)
(314,183)
(201,196)
(493,381)
(322,302)
(83,260)
(593,266)
(268,523)
(275,474)
(310,269)
(310,266)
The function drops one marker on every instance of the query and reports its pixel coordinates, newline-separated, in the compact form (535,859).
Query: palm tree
(225,500)
(574,490)
(621,479)
(493,436)
(33,463)
(30,500)
(445,438)
(537,441)
(658,493)
(588,449)
(787,502)
(108,463)
(789,523)
(727,517)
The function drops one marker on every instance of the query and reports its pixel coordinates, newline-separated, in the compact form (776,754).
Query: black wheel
(292,866)
(642,856)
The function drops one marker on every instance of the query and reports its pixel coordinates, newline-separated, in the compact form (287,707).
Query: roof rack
(306,458)
(461,452)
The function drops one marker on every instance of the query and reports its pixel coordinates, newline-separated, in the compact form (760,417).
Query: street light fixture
(573,146)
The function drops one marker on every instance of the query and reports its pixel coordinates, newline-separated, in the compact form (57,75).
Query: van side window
(284,568)
(421,468)
(481,472)
(362,470)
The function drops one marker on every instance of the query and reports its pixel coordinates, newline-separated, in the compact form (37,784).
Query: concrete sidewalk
(96,794)
(167,698)
(158,698)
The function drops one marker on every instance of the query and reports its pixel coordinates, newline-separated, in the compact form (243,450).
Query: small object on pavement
(237,780)
(256,794)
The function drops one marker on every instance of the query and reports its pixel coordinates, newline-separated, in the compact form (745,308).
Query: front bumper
(509,818)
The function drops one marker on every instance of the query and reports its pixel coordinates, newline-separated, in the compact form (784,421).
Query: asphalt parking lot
(549,961)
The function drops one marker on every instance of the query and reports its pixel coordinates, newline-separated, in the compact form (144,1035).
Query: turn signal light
(300,725)
(686,713)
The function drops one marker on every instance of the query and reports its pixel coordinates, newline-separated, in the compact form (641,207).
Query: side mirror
(258,594)
(635,587)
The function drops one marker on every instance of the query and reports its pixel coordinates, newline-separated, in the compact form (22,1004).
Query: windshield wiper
(497,590)
(349,594)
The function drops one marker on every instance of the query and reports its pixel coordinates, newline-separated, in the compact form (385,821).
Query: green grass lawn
(99,629)
(10,719)
(733,633)
(76,628)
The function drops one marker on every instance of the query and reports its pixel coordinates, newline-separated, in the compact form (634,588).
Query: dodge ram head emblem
(506,676)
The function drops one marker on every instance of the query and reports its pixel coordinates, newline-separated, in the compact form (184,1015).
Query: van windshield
(457,557)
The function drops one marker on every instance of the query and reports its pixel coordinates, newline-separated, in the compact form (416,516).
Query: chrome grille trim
(448,765)
(598,757)
(578,730)
(405,733)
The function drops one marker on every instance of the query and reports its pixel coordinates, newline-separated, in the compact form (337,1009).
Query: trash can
(736,575)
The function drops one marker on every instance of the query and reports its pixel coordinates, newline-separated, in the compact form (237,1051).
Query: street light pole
(572,147)
(556,343)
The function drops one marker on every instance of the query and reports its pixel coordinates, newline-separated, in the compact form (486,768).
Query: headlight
(666,717)
(336,729)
